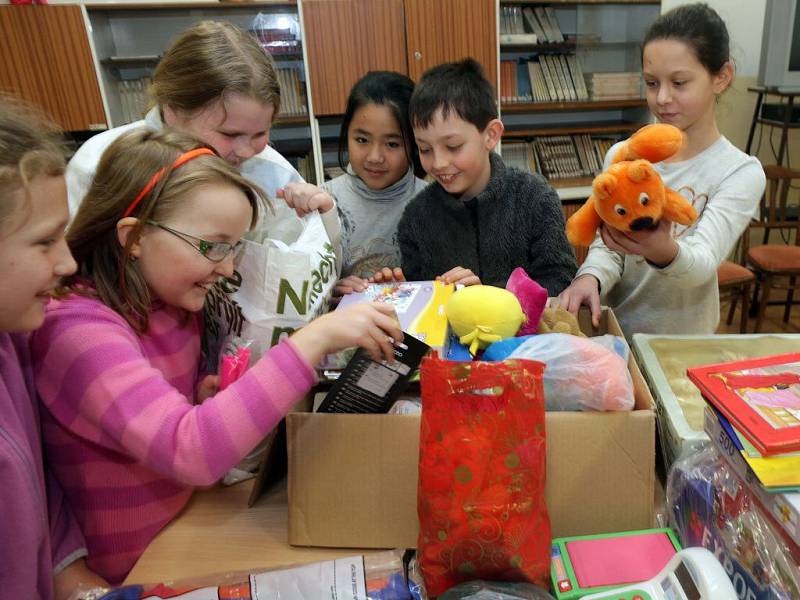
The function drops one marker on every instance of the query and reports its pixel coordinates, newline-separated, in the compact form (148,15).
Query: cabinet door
(440,31)
(47,61)
(347,38)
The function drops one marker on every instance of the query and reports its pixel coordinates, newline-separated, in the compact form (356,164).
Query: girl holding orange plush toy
(663,280)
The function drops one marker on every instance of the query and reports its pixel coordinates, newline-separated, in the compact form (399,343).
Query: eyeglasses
(213,251)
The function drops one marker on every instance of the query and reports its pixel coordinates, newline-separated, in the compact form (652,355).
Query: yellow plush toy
(482,314)
(630,195)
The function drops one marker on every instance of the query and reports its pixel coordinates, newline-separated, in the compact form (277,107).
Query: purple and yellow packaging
(420,308)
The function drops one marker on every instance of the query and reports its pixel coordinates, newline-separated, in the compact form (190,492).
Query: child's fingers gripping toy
(630,195)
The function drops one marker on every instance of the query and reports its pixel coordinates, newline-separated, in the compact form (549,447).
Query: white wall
(745,21)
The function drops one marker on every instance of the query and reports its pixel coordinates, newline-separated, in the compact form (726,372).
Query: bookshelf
(576,90)
(527,107)
(129,39)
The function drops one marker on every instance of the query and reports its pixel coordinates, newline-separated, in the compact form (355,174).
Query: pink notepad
(619,560)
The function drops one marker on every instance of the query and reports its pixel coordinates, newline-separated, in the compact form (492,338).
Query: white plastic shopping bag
(284,277)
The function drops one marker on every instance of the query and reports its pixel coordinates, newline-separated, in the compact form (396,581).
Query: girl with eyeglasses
(129,416)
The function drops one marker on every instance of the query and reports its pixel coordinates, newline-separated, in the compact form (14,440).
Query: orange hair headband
(181,160)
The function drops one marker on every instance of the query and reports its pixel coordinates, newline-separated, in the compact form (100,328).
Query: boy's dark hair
(460,87)
(700,27)
(389,89)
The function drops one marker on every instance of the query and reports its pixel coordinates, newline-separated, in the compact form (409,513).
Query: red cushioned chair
(734,282)
(776,265)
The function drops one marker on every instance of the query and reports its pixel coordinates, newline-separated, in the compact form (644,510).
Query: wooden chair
(734,280)
(777,266)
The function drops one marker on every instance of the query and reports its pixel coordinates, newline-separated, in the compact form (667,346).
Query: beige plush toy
(559,320)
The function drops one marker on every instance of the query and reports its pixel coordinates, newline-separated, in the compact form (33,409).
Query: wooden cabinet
(440,31)
(47,60)
(347,38)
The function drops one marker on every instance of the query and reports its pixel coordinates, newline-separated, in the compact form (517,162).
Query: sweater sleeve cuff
(69,559)
(679,265)
(330,220)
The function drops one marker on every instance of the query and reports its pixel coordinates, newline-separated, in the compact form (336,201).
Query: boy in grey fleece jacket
(480,219)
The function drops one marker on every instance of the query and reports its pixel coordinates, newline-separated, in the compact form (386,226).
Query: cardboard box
(353,478)
(679,404)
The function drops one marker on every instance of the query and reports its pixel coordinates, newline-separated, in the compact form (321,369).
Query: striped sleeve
(96,381)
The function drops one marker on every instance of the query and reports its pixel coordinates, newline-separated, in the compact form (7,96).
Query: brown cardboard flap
(353,478)
(600,471)
(359,469)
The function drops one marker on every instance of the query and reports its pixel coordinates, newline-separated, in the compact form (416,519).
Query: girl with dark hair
(665,280)
(377,149)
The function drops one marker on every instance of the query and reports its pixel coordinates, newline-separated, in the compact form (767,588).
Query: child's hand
(387,274)
(655,245)
(348,285)
(459,275)
(77,579)
(207,388)
(305,198)
(583,290)
(366,324)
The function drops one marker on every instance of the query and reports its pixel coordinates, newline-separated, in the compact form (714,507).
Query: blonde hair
(209,60)
(30,146)
(106,269)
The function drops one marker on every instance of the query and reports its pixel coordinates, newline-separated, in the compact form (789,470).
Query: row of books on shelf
(304,165)
(333,172)
(559,156)
(134,98)
(293,94)
(550,78)
(615,86)
(529,25)
(559,78)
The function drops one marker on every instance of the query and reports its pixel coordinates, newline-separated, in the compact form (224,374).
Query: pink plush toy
(532,297)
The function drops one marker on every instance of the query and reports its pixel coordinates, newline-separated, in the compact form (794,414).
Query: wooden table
(218,533)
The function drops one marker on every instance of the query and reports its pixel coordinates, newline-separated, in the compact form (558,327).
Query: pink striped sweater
(124,436)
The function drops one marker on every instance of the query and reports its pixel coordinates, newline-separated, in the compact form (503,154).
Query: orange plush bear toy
(630,195)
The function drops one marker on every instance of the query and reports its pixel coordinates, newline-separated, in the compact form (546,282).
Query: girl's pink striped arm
(95,379)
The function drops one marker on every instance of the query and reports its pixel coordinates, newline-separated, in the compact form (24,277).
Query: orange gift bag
(480,501)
